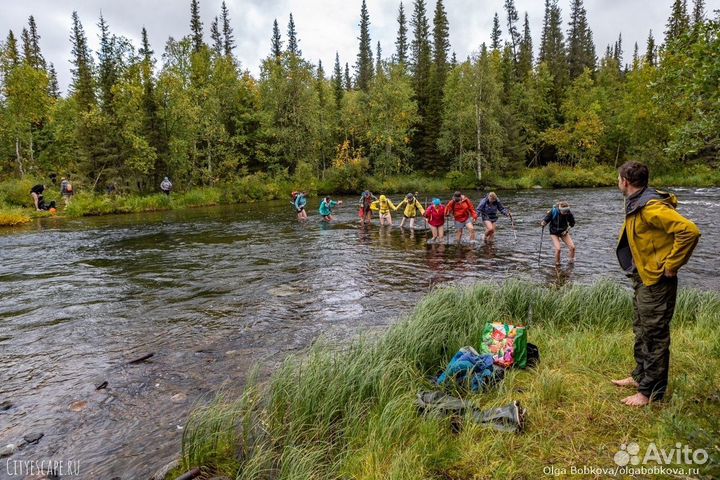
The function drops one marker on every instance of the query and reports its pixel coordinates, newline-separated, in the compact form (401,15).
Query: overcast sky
(323,26)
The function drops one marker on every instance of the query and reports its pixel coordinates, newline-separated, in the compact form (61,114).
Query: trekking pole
(425,219)
(512,222)
(542,232)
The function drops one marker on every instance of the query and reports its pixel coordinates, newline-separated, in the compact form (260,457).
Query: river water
(213,291)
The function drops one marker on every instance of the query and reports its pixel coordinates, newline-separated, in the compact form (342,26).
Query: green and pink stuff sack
(506,343)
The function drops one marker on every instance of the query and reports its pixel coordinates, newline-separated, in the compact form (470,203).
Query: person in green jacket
(655,241)
(412,205)
(326,208)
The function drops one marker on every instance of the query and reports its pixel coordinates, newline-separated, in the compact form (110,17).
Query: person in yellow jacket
(383,205)
(655,241)
(412,205)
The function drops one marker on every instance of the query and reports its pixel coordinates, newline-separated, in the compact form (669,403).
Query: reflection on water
(213,291)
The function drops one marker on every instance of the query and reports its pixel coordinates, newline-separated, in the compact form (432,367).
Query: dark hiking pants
(654,308)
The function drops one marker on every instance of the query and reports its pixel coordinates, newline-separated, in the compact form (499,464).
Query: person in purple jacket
(487,210)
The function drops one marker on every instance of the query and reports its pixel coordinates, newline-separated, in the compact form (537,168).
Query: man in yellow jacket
(654,243)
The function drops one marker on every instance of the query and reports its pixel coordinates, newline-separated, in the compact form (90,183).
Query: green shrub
(348,178)
(11,216)
(461,180)
(17,192)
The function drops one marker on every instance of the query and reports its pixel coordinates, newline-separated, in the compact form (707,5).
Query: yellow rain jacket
(655,237)
(383,205)
(411,208)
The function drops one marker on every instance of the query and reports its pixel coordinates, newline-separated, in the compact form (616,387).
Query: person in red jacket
(461,208)
(435,215)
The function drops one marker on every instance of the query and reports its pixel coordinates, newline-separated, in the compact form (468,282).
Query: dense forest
(199,117)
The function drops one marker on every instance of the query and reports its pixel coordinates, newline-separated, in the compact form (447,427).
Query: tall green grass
(348,411)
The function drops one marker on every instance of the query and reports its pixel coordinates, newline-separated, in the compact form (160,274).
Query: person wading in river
(488,209)
(560,219)
(655,241)
(326,208)
(411,206)
(461,208)
(299,201)
(365,204)
(435,215)
(383,205)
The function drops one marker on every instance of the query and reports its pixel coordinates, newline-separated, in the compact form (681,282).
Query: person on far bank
(435,215)
(487,210)
(66,190)
(166,186)
(412,205)
(561,219)
(36,192)
(462,209)
(655,241)
(326,208)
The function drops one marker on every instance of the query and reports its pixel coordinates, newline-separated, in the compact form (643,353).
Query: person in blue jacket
(326,207)
(560,219)
(299,202)
(487,210)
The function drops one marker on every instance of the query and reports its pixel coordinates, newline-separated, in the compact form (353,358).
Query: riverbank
(350,413)
(15,199)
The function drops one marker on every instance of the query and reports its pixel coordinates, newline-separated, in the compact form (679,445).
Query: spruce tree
(421,65)
(27,53)
(227,31)
(36,59)
(650,52)
(152,120)
(618,51)
(401,44)
(581,50)
(53,87)
(525,62)
(636,57)
(196,26)
(378,60)
(82,81)
(217,43)
(364,65)
(420,52)
(453,60)
(496,33)
(348,79)
(698,13)
(293,47)
(12,56)
(107,69)
(512,20)
(552,50)
(678,23)
(438,77)
(338,87)
(276,42)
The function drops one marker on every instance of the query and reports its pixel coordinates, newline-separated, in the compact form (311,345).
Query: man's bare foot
(637,400)
(625,382)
